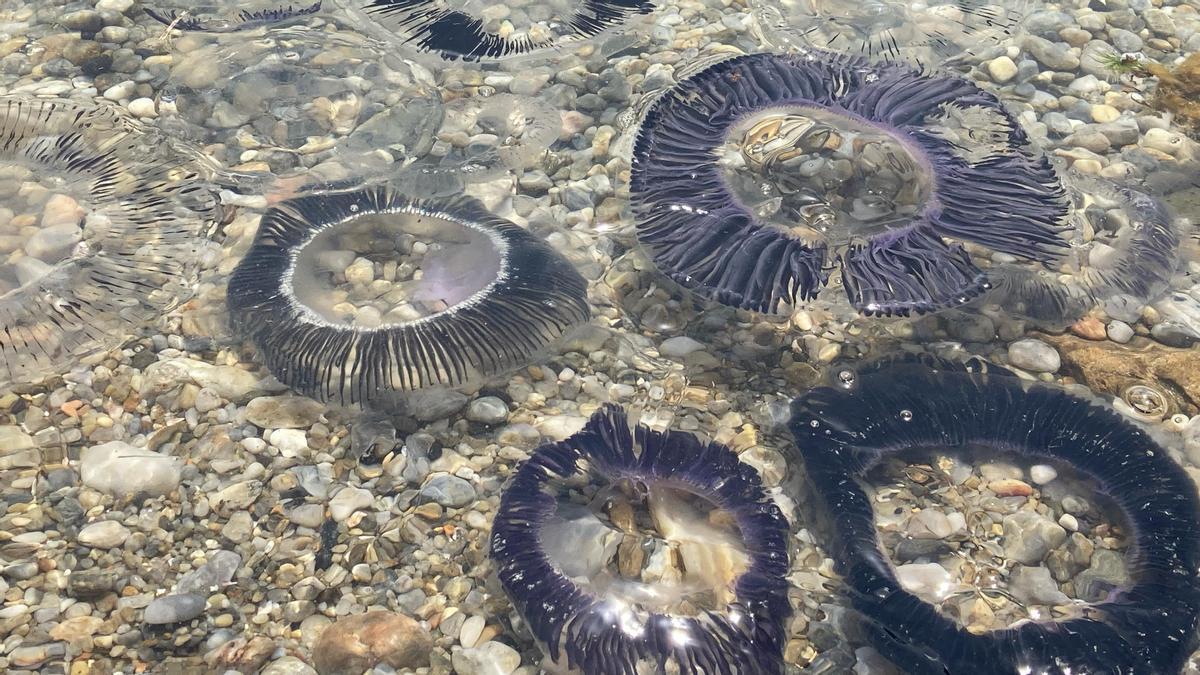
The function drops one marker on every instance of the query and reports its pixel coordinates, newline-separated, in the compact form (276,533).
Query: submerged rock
(358,643)
(121,470)
(174,609)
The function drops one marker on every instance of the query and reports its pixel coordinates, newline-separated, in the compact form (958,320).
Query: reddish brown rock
(358,643)
(1108,369)
(1010,487)
(1090,328)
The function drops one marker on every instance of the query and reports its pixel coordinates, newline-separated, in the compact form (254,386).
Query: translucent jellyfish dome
(353,296)
(101,225)
(1125,249)
(228,17)
(474,31)
(290,100)
(925,33)
(637,551)
(871,414)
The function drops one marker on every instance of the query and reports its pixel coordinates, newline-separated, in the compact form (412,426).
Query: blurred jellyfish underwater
(899,404)
(473,31)
(209,18)
(928,34)
(108,230)
(460,293)
(724,611)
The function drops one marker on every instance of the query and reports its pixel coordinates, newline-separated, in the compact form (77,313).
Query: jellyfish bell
(1145,624)
(836,161)
(596,573)
(470,31)
(267,109)
(229,17)
(371,294)
(927,34)
(1125,248)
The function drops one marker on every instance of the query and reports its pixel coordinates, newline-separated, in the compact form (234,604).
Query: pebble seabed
(170,507)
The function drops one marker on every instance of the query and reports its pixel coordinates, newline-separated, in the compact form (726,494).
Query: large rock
(358,643)
(1108,370)
(230,382)
(121,470)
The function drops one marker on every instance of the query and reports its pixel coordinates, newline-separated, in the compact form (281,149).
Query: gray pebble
(174,609)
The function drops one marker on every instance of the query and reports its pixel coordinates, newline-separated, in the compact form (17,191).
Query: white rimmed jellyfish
(308,296)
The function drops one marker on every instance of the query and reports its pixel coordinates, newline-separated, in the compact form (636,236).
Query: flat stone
(1035,586)
(174,609)
(1029,536)
(284,412)
(1034,355)
(489,658)
(121,470)
(347,501)
(104,534)
(488,410)
(218,571)
(448,490)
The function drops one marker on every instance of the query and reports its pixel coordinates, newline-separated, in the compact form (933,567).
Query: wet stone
(448,490)
(358,643)
(174,609)
(1028,537)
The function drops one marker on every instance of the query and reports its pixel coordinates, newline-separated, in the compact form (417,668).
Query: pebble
(931,581)
(680,346)
(489,658)
(1035,586)
(284,412)
(448,490)
(1028,537)
(347,501)
(471,629)
(1001,69)
(488,410)
(104,534)
(1119,332)
(1034,355)
(1041,474)
(218,571)
(174,609)
(355,644)
(288,665)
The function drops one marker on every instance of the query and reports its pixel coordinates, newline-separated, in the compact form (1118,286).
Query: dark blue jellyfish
(606,633)
(206,19)
(863,170)
(490,296)
(842,430)
(464,32)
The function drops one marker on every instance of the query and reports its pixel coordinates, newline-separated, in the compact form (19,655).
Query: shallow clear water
(482,223)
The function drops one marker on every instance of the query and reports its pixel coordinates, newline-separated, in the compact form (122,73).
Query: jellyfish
(552,560)
(917,402)
(1125,248)
(473,31)
(101,230)
(928,34)
(270,109)
(753,177)
(187,16)
(352,295)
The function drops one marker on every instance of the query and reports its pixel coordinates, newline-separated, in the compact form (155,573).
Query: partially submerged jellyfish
(471,30)
(1125,248)
(889,30)
(752,177)
(221,18)
(582,585)
(350,296)
(484,137)
(101,223)
(874,413)
(270,107)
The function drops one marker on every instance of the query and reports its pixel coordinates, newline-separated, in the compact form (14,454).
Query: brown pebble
(1010,487)
(355,644)
(1089,328)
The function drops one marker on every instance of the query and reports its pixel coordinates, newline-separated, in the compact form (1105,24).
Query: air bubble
(906,415)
